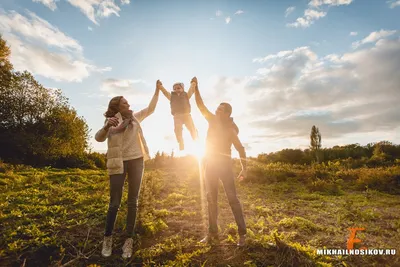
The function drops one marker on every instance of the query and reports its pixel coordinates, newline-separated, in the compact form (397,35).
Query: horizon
(283,66)
(177,154)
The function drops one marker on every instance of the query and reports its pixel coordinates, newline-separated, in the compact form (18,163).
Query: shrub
(347,175)
(75,161)
(270,173)
(3,166)
(329,187)
(299,223)
(381,179)
(98,159)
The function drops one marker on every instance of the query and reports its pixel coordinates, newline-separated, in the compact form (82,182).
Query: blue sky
(284,65)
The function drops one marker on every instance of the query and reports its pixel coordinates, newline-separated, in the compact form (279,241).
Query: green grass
(53,217)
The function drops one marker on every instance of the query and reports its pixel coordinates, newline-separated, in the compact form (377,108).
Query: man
(222,133)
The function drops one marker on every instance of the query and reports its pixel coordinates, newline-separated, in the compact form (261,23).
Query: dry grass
(53,217)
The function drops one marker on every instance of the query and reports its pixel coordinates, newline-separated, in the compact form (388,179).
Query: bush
(381,179)
(75,161)
(347,175)
(351,163)
(256,173)
(329,187)
(3,167)
(270,173)
(98,159)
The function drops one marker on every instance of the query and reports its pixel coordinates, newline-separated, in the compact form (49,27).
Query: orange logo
(352,239)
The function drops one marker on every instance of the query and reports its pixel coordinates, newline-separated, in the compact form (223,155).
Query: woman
(127,150)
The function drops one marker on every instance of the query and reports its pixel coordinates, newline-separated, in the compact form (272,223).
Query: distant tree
(315,141)
(157,159)
(382,153)
(291,156)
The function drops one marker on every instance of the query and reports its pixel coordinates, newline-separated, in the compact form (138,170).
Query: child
(180,109)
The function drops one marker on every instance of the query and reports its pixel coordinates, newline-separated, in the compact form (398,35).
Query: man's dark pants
(220,168)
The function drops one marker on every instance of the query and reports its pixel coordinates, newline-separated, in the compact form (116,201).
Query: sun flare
(193,148)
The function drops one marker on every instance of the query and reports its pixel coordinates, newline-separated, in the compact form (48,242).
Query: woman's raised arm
(144,113)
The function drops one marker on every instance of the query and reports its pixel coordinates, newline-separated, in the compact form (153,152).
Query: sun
(195,148)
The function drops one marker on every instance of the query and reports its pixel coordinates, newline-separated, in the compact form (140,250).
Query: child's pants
(179,121)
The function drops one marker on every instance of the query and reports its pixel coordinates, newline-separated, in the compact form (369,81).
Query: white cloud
(373,37)
(227,20)
(314,14)
(218,13)
(278,55)
(333,58)
(90,28)
(239,12)
(38,29)
(298,89)
(93,9)
(96,8)
(49,3)
(317,3)
(353,33)
(289,10)
(123,87)
(57,66)
(310,15)
(394,3)
(42,49)
(283,67)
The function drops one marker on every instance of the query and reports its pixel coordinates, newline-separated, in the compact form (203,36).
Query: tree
(315,141)
(37,125)
(5,75)
(61,134)
(5,64)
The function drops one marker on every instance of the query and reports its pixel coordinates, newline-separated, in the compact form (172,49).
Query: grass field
(56,217)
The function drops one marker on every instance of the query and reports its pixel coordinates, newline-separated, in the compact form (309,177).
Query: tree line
(383,153)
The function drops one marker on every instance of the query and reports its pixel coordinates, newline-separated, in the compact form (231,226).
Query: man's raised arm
(191,88)
(199,101)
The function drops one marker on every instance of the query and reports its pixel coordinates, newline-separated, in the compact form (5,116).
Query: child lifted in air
(180,109)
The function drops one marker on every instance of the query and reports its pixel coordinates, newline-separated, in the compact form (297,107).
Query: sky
(283,65)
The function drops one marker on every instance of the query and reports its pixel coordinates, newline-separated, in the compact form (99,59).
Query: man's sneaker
(181,146)
(107,246)
(210,239)
(242,241)
(127,248)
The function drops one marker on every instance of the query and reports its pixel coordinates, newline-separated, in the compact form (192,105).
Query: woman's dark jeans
(134,168)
